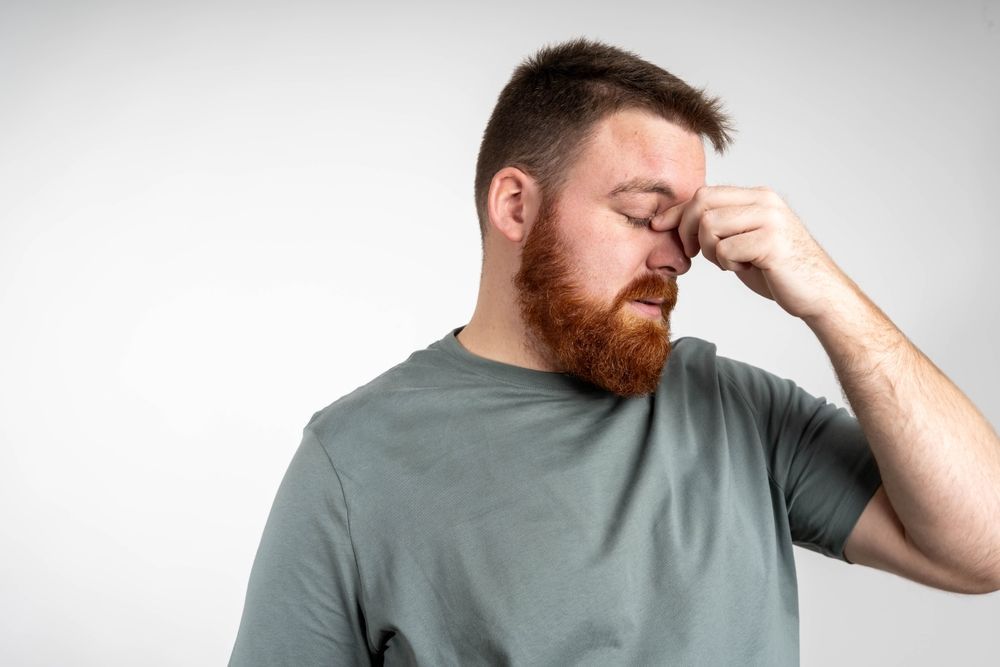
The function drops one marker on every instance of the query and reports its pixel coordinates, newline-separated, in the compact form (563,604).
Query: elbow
(990,581)
(994,585)
(972,586)
(986,589)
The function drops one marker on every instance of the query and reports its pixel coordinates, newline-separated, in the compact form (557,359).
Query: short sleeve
(816,454)
(303,597)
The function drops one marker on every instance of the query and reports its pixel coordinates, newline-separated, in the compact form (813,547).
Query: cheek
(605,262)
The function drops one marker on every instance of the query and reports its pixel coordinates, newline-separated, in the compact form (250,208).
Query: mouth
(652,309)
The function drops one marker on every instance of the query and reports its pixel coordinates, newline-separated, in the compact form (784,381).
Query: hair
(548,111)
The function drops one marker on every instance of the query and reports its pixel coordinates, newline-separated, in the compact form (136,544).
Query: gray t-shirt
(462,511)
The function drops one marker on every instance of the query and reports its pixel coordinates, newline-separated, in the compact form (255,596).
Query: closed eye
(639,222)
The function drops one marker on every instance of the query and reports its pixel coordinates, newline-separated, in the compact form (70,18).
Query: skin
(935,518)
(576,261)
(620,347)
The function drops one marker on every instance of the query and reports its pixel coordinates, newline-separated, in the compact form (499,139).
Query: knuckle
(772,217)
(720,249)
(768,196)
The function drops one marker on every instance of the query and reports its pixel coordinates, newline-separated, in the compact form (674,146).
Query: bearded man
(559,481)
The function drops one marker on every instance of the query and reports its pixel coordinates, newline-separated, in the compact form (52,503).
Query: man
(558,482)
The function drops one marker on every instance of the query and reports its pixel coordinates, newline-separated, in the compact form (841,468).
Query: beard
(612,347)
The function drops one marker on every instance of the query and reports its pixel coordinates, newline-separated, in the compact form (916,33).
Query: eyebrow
(643,185)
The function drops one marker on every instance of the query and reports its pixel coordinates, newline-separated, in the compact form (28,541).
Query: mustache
(651,288)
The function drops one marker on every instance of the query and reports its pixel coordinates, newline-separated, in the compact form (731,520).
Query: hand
(752,232)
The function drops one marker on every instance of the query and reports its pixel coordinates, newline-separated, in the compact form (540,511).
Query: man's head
(620,346)
(590,257)
(547,112)
(587,140)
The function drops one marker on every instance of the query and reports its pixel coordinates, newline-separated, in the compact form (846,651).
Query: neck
(496,330)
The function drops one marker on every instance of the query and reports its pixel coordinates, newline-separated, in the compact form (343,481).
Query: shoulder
(701,356)
(695,363)
(360,425)
(691,375)
(690,350)
(360,402)
(692,360)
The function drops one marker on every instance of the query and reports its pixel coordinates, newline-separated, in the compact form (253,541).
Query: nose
(667,254)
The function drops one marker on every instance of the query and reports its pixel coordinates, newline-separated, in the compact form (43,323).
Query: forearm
(938,456)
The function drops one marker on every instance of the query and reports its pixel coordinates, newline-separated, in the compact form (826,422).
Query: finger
(705,199)
(688,228)
(668,219)
(706,240)
(686,215)
(743,251)
(729,220)
(716,224)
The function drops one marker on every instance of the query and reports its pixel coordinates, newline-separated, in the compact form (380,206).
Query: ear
(512,203)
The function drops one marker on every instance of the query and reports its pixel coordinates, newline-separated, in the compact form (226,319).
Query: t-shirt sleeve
(303,597)
(816,453)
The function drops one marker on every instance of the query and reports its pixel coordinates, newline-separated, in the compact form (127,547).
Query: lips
(652,302)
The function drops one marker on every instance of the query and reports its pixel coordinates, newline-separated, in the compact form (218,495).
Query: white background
(216,219)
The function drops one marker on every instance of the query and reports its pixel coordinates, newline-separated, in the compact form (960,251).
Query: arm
(938,519)
(303,602)
(939,457)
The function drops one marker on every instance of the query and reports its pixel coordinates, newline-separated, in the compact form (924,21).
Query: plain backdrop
(216,219)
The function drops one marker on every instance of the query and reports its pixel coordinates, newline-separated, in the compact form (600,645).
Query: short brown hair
(547,112)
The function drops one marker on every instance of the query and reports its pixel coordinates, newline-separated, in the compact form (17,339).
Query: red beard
(613,348)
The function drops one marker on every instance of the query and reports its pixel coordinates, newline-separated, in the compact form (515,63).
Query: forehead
(638,148)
